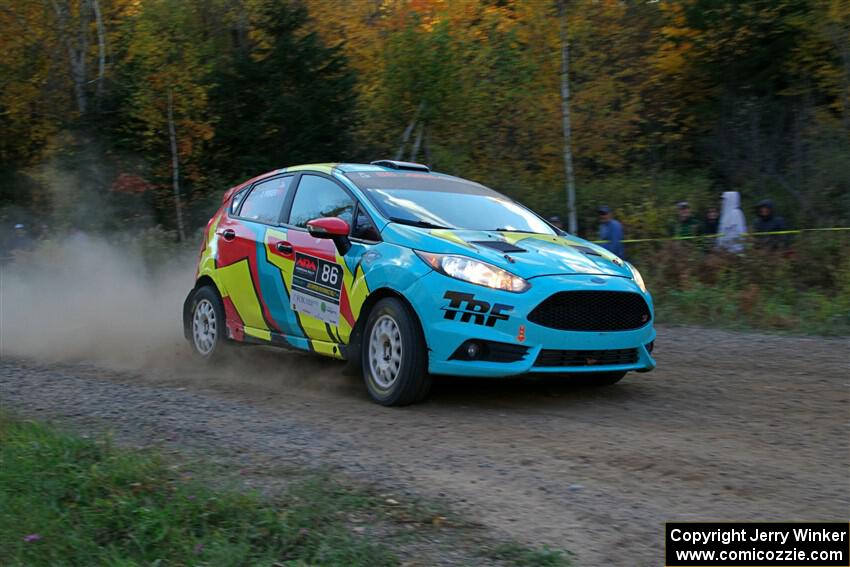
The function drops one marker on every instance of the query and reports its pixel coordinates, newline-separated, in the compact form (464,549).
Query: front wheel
(394,356)
(207,324)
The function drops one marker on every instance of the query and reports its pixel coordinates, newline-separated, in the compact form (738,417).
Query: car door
(320,280)
(248,237)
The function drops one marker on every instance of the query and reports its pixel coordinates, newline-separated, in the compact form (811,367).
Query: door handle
(284,247)
(228,234)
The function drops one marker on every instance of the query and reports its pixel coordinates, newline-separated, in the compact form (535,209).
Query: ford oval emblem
(597,280)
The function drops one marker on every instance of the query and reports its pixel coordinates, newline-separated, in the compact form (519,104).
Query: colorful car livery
(408,273)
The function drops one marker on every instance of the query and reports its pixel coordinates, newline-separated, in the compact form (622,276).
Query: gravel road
(731,426)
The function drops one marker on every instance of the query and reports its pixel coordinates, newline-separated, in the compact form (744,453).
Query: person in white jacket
(732,224)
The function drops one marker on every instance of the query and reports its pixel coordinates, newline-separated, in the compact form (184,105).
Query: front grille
(551,357)
(592,311)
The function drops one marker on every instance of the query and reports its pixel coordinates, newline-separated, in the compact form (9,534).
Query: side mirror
(328,227)
(333,228)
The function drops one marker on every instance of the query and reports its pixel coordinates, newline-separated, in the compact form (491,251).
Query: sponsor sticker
(316,288)
(474,310)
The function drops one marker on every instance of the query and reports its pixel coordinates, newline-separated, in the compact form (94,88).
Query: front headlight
(473,271)
(638,278)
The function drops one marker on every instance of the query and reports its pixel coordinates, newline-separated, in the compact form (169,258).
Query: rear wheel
(394,358)
(207,324)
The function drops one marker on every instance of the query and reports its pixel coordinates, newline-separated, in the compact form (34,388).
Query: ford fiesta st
(407,273)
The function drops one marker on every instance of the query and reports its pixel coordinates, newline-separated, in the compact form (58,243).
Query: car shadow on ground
(531,390)
(262,370)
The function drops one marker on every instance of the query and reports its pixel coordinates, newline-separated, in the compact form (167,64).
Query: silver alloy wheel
(204,327)
(385,351)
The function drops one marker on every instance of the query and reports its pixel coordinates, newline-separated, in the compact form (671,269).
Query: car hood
(526,255)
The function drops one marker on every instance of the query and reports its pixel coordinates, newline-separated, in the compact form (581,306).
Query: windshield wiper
(419,223)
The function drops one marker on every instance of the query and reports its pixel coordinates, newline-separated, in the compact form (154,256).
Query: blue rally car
(408,273)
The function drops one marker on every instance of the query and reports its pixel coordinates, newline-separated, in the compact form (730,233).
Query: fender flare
(352,350)
(188,303)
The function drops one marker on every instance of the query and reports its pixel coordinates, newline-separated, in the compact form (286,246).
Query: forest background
(120,115)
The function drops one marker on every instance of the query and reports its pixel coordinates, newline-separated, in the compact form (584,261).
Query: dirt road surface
(731,426)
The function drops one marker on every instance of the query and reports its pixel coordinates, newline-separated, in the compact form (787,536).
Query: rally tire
(207,327)
(394,357)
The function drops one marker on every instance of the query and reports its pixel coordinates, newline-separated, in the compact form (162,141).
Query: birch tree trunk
(572,221)
(408,131)
(101,50)
(416,143)
(175,167)
(76,52)
(841,45)
(427,148)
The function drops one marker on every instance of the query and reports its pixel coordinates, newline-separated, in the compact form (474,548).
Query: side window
(237,200)
(265,201)
(319,197)
(364,228)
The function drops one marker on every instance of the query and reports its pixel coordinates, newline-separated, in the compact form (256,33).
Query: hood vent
(586,250)
(500,245)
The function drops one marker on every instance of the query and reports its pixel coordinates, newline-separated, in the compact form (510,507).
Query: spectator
(732,224)
(20,241)
(611,231)
(767,221)
(711,225)
(686,223)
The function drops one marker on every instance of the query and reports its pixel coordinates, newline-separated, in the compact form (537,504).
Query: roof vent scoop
(406,165)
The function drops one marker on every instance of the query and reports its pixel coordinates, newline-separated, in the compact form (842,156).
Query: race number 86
(329,275)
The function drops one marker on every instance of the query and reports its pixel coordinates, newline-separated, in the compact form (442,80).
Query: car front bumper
(454,312)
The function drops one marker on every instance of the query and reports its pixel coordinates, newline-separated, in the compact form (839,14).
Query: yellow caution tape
(743,234)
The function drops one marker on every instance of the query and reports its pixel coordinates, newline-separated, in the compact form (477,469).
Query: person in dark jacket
(768,221)
(20,241)
(711,225)
(611,231)
(686,223)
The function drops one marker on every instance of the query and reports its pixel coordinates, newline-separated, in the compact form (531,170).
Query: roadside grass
(68,500)
(812,313)
(803,290)
(65,500)
(525,557)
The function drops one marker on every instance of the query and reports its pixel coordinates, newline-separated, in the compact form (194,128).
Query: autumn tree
(167,102)
(32,93)
(166,67)
(281,97)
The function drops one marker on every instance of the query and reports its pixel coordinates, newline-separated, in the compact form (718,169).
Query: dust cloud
(87,298)
(101,301)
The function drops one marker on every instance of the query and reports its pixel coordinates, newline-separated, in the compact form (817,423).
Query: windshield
(440,201)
